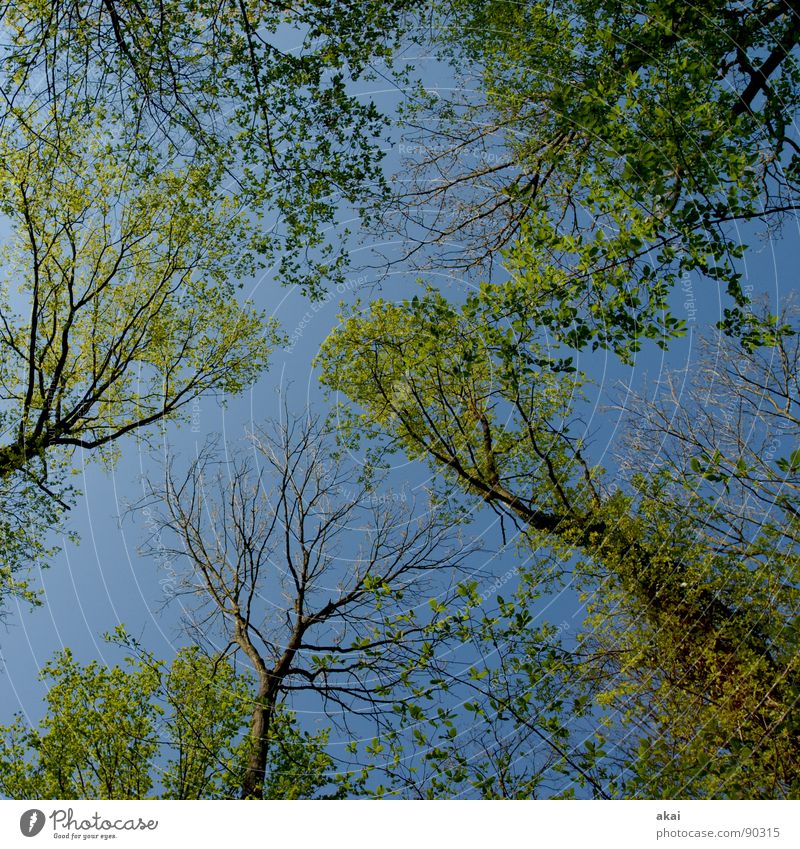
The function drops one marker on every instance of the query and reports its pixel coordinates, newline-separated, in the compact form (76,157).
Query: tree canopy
(153,157)
(580,162)
(691,585)
(261,90)
(118,304)
(302,562)
(148,729)
(602,151)
(591,157)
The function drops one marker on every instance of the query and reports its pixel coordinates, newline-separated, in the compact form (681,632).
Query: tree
(124,263)
(95,742)
(677,616)
(601,150)
(300,561)
(720,460)
(145,729)
(508,710)
(606,152)
(259,89)
(154,155)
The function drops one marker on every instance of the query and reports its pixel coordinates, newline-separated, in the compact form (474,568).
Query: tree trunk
(253,780)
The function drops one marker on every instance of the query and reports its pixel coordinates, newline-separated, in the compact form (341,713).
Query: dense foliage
(587,161)
(150,729)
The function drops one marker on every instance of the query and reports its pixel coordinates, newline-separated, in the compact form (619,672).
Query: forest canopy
(568,171)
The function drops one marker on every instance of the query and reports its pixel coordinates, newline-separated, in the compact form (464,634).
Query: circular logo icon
(31,822)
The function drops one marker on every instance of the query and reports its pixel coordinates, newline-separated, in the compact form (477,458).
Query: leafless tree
(303,562)
(725,431)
